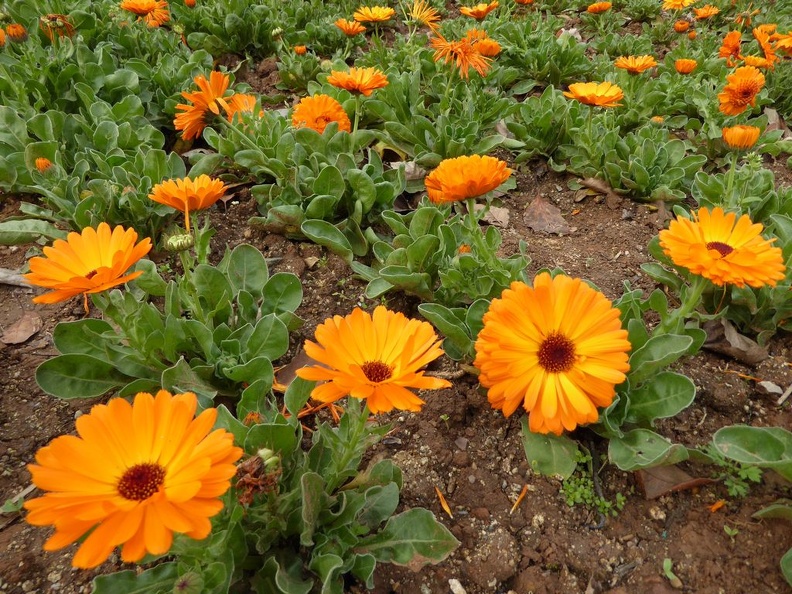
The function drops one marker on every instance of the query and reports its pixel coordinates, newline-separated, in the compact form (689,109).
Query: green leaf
(657,353)
(83,337)
(642,448)
(15,232)
(183,378)
(78,376)
(448,324)
(663,396)
(247,269)
(413,539)
(381,501)
(156,580)
(312,495)
(270,339)
(769,447)
(297,395)
(786,566)
(275,436)
(283,292)
(330,182)
(780,509)
(323,233)
(150,281)
(550,455)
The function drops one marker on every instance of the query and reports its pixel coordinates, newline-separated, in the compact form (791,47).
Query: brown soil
(459,445)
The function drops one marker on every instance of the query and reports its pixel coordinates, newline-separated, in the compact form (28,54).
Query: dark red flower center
(556,353)
(723,249)
(141,481)
(376,371)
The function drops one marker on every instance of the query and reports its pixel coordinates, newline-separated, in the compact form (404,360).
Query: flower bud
(270,458)
(179,243)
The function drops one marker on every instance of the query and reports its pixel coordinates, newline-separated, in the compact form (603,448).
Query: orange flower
(240,103)
(741,136)
(557,349)
(423,14)
(56,24)
(762,35)
(319,110)
(706,12)
(740,91)
(373,14)
(300,50)
(479,11)
(43,165)
(133,475)
(488,48)
(2,37)
(685,65)
(731,47)
(677,4)
(462,52)
(154,12)
(692,34)
(189,3)
(359,80)
(208,99)
(465,177)
(603,94)
(681,26)
(350,28)
(599,7)
(187,194)
(88,262)
(635,64)
(723,249)
(524,1)
(757,62)
(784,43)
(375,358)
(16,32)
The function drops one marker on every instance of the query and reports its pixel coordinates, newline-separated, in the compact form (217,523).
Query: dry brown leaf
(22,329)
(661,480)
(612,199)
(543,217)
(723,338)
(495,215)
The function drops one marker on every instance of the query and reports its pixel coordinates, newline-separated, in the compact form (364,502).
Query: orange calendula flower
(603,94)
(300,50)
(207,100)
(740,91)
(56,24)
(757,62)
(599,7)
(730,49)
(318,111)
(488,47)
(479,11)
(465,177)
(635,64)
(784,43)
(681,26)
(762,35)
(724,249)
(677,4)
(692,34)
(350,28)
(706,12)
(132,476)
(373,14)
(463,53)
(189,3)
(43,165)
(2,37)
(373,357)
(88,262)
(557,349)
(741,136)
(187,194)
(685,65)
(359,80)
(154,12)
(16,32)
(240,103)
(424,14)
(525,2)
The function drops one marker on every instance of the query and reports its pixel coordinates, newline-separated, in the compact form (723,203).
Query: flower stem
(477,235)
(675,322)
(730,181)
(243,136)
(357,436)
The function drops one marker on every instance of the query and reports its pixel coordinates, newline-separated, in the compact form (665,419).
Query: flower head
(603,94)
(741,136)
(56,24)
(133,475)
(188,194)
(557,349)
(463,53)
(189,3)
(635,64)
(489,48)
(300,50)
(762,35)
(154,12)
(16,32)
(209,98)
(741,90)
(2,37)
(376,357)
(723,249)
(524,1)
(359,80)
(465,177)
(479,11)
(424,14)
(730,48)
(599,7)
(681,26)
(677,4)
(685,65)
(43,165)
(706,12)
(317,111)
(350,28)
(88,262)
(784,43)
(240,103)
(373,14)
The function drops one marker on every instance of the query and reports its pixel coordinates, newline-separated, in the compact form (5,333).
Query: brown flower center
(91,274)
(141,481)
(722,248)
(557,353)
(376,371)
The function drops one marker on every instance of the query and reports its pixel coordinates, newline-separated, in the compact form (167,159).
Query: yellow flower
(133,475)
(154,12)
(741,90)
(187,194)
(375,358)
(373,14)
(465,177)
(603,94)
(677,4)
(208,99)
(319,110)
(741,136)
(723,249)
(423,14)
(479,11)
(557,349)
(685,65)
(88,262)
(635,64)
(359,80)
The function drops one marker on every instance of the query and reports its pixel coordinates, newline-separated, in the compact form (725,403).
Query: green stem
(730,181)
(243,136)
(477,235)
(675,322)
(357,436)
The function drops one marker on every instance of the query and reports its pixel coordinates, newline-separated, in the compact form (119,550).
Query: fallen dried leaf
(495,215)
(612,199)
(722,337)
(661,480)
(543,217)
(22,329)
